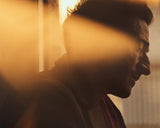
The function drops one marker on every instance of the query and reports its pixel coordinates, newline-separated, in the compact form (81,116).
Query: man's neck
(77,80)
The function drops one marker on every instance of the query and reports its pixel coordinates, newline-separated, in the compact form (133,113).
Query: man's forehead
(121,15)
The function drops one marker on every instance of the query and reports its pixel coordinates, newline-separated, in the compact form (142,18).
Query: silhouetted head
(130,18)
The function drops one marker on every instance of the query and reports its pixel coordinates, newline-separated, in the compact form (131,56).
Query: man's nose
(144,65)
(145,69)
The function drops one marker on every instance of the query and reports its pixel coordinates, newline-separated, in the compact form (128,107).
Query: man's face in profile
(113,66)
(127,71)
(103,53)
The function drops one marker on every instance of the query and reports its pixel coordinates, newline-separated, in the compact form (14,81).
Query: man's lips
(135,76)
(132,82)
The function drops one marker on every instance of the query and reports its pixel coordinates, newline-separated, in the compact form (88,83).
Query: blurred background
(31,40)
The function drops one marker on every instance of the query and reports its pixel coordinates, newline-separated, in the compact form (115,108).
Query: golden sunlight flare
(20,36)
(64,5)
(18,40)
(22,28)
(88,41)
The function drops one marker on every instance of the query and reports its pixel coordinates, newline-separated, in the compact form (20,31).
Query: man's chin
(123,94)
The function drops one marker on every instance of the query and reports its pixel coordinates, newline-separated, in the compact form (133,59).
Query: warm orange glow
(18,40)
(88,41)
(22,28)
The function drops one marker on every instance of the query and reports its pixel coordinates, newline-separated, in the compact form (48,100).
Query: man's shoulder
(46,88)
(56,104)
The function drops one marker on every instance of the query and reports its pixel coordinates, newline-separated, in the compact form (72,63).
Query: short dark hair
(112,11)
(123,15)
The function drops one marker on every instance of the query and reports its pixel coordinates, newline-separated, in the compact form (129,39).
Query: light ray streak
(41,36)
